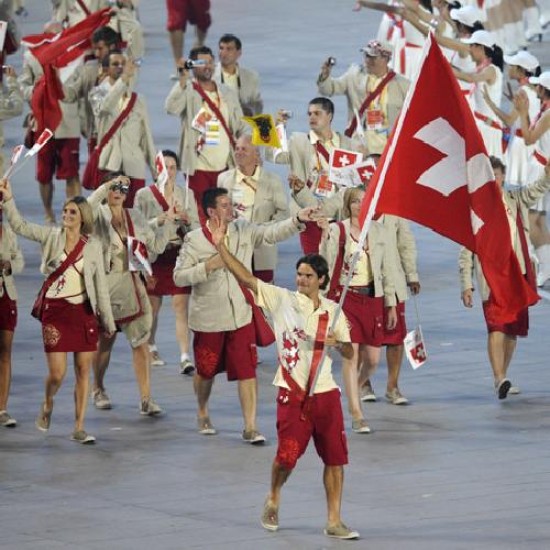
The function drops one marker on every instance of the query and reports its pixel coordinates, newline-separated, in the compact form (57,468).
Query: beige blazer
(11,252)
(69,126)
(148,205)
(521,198)
(383,268)
(270,205)
(250,97)
(402,246)
(186,103)
(132,146)
(353,84)
(155,240)
(52,241)
(217,302)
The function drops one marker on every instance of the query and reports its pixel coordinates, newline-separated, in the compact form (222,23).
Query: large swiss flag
(435,171)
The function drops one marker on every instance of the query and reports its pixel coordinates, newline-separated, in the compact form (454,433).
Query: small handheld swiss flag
(415,348)
(162,172)
(339,163)
(43,138)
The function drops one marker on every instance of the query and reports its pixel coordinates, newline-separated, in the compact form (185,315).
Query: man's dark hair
(107,35)
(326,104)
(228,38)
(195,52)
(210,198)
(171,154)
(497,163)
(319,265)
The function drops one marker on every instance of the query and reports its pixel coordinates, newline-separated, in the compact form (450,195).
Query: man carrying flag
(502,337)
(302,320)
(436,157)
(309,155)
(56,49)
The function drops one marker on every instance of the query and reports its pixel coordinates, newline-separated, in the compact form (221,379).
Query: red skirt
(162,281)
(366,317)
(69,327)
(8,312)
(396,336)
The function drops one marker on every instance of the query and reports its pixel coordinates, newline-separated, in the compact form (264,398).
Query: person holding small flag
(371,291)
(159,203)
(72,298)
(502,337)
(126,238)
(309,156)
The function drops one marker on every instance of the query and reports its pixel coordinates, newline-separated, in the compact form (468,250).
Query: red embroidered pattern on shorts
(50,335)
(288,452)
(207,361)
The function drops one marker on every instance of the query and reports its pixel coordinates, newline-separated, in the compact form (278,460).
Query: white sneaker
(156,359)
(149,408)
(101,400)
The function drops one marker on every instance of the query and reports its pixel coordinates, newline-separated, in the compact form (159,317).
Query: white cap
(483,38)
(375,48)
(542,80)
(467,15)
(522,59)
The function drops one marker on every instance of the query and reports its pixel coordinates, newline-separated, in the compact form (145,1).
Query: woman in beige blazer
(114,225)
(179,202)
(11,262)
(72,302)
(371,288)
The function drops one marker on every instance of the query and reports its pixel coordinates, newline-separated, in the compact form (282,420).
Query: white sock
(153,347)
(184,357)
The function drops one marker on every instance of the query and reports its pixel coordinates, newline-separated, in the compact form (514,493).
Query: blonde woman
(73,297)
(371,290)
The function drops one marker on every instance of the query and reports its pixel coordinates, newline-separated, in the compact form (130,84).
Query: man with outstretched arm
(303,328)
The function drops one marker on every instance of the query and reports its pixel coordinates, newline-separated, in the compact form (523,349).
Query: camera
(286,114)
(331,61)
(192,63)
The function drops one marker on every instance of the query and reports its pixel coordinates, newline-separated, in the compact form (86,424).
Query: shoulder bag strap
(368,100)
(337,271)
(216,111)
(118,122)
(160,197)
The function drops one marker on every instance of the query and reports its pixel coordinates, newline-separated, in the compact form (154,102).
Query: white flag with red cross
(162,172)
(43,138)
(415,349)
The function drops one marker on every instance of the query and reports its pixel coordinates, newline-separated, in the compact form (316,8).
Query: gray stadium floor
(456,469)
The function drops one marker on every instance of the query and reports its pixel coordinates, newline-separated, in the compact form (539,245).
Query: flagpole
(372,206)
(186,190)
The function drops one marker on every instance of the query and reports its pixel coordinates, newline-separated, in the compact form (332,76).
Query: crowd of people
(211,245)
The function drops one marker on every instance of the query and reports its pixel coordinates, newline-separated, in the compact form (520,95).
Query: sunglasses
(121,187)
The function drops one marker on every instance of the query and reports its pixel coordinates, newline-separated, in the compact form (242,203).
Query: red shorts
(196,12)
(366,317)
(162,282)
(8,312)
(324,421)
(310,238)
(233,351)
(135,185)
(199,182)
(520,327)
(60,157)
(396,336)
(69,327)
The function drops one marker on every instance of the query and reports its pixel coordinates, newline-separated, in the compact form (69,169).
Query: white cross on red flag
(435,170)
(340,162)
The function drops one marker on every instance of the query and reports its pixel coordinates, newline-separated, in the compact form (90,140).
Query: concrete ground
(456,469)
